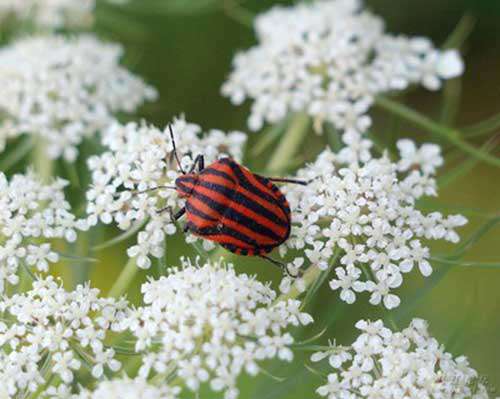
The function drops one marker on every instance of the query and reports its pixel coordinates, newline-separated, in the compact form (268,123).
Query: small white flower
(212,325)
(450,65)
(62,90)
(382,364)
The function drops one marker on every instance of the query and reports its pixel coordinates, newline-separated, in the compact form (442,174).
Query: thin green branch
(449,134)
(235,11)
(125,279)
(290,143)
(487,126)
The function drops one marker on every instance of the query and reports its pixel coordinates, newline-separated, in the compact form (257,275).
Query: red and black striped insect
(245,213)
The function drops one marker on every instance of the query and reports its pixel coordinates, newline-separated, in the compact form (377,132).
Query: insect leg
(282,266)
(293,181)
(198,161)
(173,216)
(175,150)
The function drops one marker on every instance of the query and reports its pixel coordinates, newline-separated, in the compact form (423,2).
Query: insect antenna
(175,150)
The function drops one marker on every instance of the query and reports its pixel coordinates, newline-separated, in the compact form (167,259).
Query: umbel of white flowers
(31,215)
(120,388)
(47,331)
(329,59)
(48,15)
(139,159)
(210,325)
(365,212)
(382,364)
(62,89)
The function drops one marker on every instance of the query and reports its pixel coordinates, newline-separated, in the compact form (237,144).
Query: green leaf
(122,237)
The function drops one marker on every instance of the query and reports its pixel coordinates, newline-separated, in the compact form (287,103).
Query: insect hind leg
(281,265)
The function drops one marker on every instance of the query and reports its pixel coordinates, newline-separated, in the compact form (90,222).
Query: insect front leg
(198,161)
(173,216)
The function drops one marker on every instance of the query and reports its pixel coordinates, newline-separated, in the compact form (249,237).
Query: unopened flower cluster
(329,59)
(365,213)
(50,329)
(211,324)
(49,14)
(393,365)
(120,388)
(61,90)
(140,158)
(32,214)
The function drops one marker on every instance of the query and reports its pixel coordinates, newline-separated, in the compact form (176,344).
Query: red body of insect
(244,212)
(226,203)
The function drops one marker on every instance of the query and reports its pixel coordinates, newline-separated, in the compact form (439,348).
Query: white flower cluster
(330,58)
(366,213)
(392,365)
(49,329)
(64,89)
(49,14)
(31,214)
(210,324)
(140,158)
(121,388)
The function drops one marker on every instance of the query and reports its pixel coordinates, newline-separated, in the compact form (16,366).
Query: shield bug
(244,212)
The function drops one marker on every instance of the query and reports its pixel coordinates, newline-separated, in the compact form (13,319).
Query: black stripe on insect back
(227,231)
(219,173)
(244,181)
(236,216)
(242,199)
(202,215)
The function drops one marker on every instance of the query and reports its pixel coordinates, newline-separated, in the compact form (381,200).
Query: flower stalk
(290,143)
(124,279)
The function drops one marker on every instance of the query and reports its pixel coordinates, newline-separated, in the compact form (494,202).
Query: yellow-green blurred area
(184,48)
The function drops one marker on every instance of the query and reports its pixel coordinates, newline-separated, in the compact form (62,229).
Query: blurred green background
(185,47)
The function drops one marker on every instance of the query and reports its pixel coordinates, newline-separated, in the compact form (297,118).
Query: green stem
(289,143)
(451,135)
(44,166)
(81,270)
(124,279)
(487,126)
(311,274)
(17,154)
(235,11)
